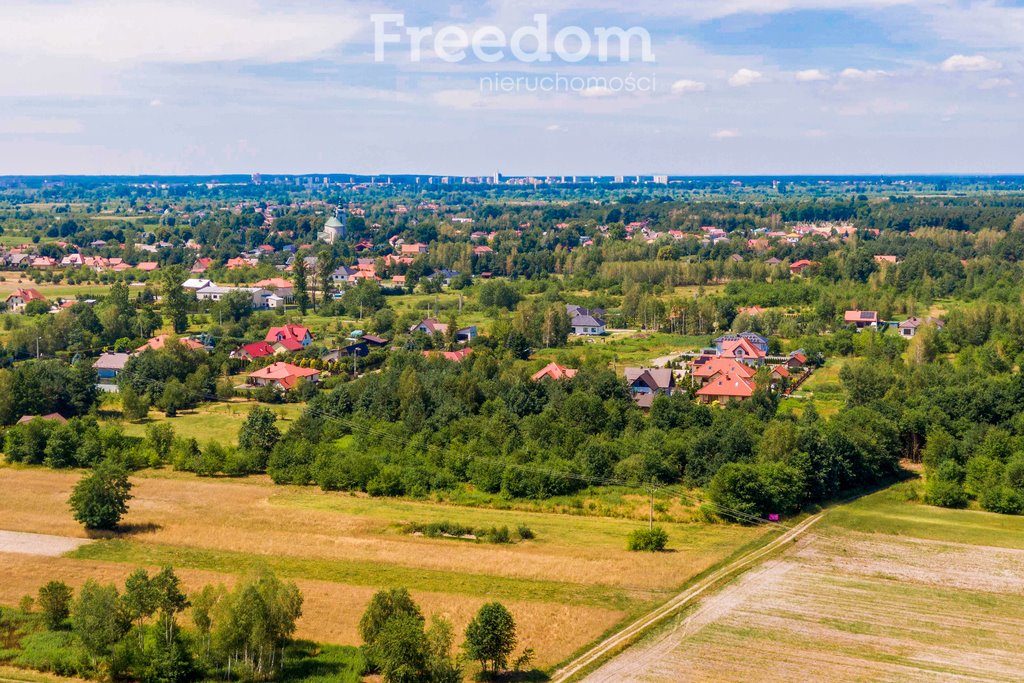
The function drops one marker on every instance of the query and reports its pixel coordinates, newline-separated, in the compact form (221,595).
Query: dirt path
(42,545)
(674,605)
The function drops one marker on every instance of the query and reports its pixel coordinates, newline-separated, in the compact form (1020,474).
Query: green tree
(385,606)
(491,637)
(100,499)
(259,434)
(98,618)
(173,398)
(134,406)
(55,601)
(176,300)
(300,280)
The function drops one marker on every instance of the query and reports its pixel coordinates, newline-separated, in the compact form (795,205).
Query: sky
(704,87)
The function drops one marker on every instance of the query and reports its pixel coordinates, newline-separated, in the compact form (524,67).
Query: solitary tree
(100,499)
(175,300)
(491,637)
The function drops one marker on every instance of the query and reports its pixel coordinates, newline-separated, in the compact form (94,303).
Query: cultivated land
(566,588)
(883,589)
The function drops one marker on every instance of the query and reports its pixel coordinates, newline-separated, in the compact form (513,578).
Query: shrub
(100,499)
(55,602)
(525,532)
(648,540)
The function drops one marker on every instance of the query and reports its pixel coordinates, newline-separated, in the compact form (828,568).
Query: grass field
(885,589)
(824,388)
(621,349)
(571,584)
(214,421)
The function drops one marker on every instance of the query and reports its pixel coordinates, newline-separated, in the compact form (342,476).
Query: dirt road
(43,545)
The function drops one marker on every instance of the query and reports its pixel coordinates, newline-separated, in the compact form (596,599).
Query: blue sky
(735,87)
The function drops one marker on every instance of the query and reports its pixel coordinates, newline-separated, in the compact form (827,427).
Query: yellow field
(568,586)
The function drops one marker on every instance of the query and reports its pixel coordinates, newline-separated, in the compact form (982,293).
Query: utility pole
(37,347)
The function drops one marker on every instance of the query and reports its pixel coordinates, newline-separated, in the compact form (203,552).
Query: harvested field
(572,583)
(845,605)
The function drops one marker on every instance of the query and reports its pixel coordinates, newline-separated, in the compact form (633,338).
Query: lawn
(566,587)
(621,349)
(213,421)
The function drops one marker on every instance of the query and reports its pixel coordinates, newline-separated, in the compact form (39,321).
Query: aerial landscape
(575,342)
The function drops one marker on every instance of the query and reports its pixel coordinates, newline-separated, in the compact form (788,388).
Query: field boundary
(623,638)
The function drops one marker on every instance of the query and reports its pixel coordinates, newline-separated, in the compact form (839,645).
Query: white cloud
(556,128)
(156,103)
(175,31)
(970,63)
(598,91)
(687,86)
(815,133)
(862,75)
(725,134)
(808,75)
(25,125)
(745,77)
(993,83)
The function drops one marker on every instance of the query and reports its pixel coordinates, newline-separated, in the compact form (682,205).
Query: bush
(56,652)
(525,533)
(648,540)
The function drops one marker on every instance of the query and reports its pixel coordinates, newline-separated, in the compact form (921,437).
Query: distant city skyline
(739,87)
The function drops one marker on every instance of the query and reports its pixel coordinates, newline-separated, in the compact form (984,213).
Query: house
(279,286)
(773,261)
(148,266)
(886,259)
(862,319)
(52,417)
(752,311)
(433,326)
(282,376)
(201,265)
(908,328)
(358,349)
(375,341)
(704,373)
(802,265)
(292,334)
(19,298)
(725,388)
(746,347)
(44,262)
(647,383)
(72,261)
(109,366)
(260,297)
(453,356)
(585,321)
(482,250)
(195,284)
(555,372)
(414,249)
(251,352)
(160,341)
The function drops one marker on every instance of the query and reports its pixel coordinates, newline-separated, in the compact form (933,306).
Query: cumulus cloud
(725,134)
(156,103)
(862,75)
(993,83)
(745,77)
(808,75)
(970,63)
(556,128)
(598,91)
(687,86)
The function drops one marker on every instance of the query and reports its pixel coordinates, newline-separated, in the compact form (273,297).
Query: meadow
(218,422)
(570,584)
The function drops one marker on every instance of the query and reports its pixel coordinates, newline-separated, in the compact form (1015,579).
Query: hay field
(571,584)
(885,589)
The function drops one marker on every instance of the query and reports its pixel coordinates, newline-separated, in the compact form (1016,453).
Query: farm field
(569,585)
(883,589)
